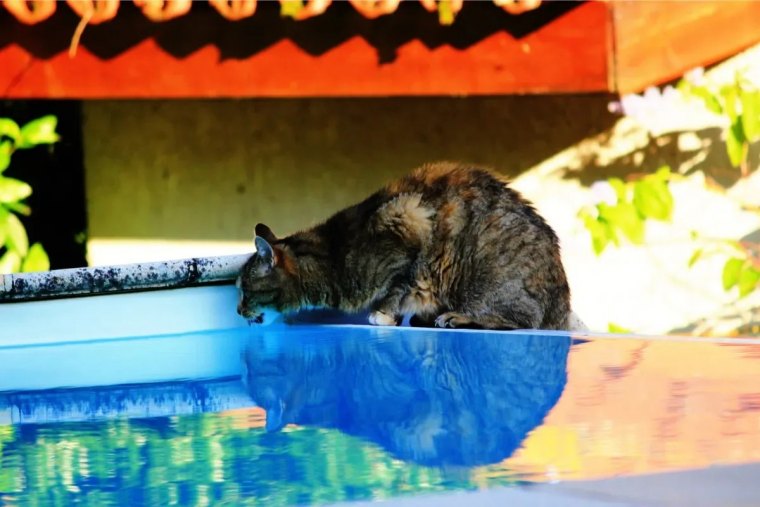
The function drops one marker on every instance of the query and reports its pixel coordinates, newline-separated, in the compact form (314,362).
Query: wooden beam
(656,42)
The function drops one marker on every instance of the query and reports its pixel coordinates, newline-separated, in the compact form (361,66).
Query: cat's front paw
(382,319)
(452,320)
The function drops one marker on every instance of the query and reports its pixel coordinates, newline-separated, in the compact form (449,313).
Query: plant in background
(623,208)
(738,102)
(742,268)
(743,273)
(17,255)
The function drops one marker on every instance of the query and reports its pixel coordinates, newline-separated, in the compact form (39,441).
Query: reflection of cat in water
(431,398)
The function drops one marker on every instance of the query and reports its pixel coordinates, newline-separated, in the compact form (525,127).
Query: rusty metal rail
(120,278)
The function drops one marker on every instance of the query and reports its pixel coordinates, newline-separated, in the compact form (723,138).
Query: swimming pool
(166,398)
(333,413)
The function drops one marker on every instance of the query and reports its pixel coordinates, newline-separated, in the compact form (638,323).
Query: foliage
(742,267)
(14,241)
(740,273)
(649,197)
(739,102)
(624,214)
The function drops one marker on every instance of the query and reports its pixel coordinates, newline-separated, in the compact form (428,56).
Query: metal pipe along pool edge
(120,278)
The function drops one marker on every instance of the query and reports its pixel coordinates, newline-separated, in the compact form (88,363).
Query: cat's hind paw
(382,319)
(453,320)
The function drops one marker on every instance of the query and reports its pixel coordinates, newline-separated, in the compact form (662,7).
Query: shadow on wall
(431,398)
(686,151)
(211,169)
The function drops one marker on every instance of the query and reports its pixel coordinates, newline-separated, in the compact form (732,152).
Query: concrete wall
(179,179)
(209,170)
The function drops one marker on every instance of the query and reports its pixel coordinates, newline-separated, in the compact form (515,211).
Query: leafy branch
(625,207)
(741,269)
(624,213)
(18,255)
(739,102)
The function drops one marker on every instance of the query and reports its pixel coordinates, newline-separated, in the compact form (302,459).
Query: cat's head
(266,283)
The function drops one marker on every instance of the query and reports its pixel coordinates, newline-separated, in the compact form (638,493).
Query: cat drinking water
(450,244)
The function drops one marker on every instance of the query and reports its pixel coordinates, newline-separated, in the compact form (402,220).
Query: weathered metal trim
(120,278)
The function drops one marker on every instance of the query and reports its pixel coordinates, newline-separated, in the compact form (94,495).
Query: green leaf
(663,174)
(748,280)
(9,128)
(13,190)
(735,143)
(750,113)
(695,256)
(4,214)
(619,187)
(10,262)
(601,233)
(614,328)
(652,199)
(712,103)
(731,271)
(701,92)
(623,216)
(729,94)
(16,238)
(18,207)
(39,131)
(36,260)
(5,155)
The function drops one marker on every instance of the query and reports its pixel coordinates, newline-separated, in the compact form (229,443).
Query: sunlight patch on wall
(108,251)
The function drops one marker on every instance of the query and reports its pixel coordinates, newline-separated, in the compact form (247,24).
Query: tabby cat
(450,245)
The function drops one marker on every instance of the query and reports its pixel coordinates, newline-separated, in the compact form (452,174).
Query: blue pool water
(312,415)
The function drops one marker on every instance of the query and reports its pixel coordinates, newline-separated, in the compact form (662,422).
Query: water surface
(330,414)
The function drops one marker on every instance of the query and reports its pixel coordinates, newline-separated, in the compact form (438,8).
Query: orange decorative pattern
(30,12)
(164,10)
(574,43)
(234,10)
(96,11)
(555,47)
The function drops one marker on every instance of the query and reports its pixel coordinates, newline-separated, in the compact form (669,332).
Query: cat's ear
(265,232)
(264,251)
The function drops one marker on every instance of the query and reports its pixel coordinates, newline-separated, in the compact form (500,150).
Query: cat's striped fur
(451,244)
